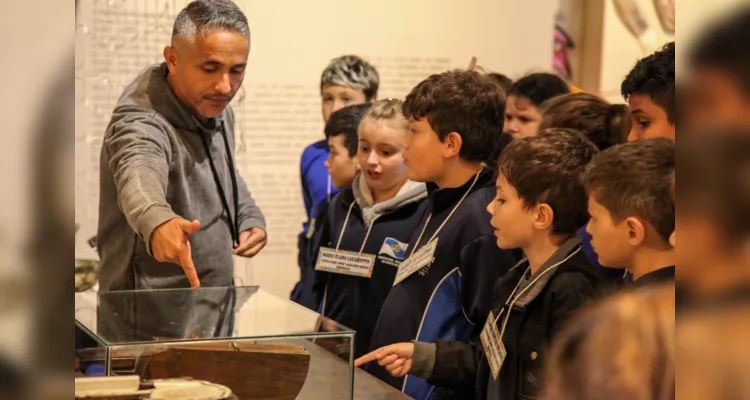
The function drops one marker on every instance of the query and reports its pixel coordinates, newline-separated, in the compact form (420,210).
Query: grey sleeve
(424,360)
(248,212)
(138,155)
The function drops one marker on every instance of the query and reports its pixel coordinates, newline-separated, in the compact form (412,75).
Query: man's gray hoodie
(155,167)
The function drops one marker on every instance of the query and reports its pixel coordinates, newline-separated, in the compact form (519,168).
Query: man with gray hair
(346,81)
(169,190)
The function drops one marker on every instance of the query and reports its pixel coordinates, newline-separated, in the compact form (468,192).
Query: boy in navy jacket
(444,289)
(368,226)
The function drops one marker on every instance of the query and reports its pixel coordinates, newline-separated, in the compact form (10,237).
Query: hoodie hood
(150,91)
(410,192)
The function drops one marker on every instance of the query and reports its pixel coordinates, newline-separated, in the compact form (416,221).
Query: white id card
(423,257)
(345,262)
(493,345)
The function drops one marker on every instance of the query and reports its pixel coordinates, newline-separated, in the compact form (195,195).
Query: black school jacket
(353,301)
(449,300)
(535,318)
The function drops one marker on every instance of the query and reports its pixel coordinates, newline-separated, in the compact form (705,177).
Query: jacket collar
(542,276)
(441,199)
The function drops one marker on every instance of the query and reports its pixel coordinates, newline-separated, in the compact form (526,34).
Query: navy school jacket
(452,298)
(535,318)
(352,301)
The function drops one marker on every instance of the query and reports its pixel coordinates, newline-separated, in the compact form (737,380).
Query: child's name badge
(345,262)
(423,257)
(493,345)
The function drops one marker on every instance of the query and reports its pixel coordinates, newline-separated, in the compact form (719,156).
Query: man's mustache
(224,98)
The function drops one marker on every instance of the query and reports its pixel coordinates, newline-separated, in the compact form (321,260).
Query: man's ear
(453,143)
(170,57)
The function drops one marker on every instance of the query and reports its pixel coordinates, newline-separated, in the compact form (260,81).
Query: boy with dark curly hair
(649,89)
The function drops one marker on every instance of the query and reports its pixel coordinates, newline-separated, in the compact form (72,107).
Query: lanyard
(233,222)
(343,229)
(513,300)
(429,217)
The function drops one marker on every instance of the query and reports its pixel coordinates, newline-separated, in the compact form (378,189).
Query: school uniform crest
(393,248)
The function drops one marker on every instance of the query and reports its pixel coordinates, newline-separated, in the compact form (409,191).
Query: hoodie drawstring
(233,222)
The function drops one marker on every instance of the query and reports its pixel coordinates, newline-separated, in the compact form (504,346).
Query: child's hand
(396,358)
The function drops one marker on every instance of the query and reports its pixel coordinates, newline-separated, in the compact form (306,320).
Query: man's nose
(224,87)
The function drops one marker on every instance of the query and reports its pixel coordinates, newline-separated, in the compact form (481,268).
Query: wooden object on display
(251,371)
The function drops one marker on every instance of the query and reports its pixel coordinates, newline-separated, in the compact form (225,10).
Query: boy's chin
(341,184)
(611,264)
(503,243)
(416,176)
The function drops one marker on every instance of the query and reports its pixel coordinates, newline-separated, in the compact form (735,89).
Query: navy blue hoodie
(355,301)
(452,298)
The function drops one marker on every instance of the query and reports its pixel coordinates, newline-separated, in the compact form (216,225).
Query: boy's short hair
(635,179)
(724,46)
(468,103)
(604,124)
(539,87)
(654,76)
(502,80)
(547,169)
(345,122)
(354,72)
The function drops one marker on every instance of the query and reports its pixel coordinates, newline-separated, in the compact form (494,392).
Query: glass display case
(257,344)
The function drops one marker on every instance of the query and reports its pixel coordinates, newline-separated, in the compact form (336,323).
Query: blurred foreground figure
(621,349)
(713,220)
(719,83)
(713,215)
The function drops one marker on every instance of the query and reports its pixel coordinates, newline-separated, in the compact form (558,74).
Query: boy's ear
(545,217)
(452,143)
(636,231)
